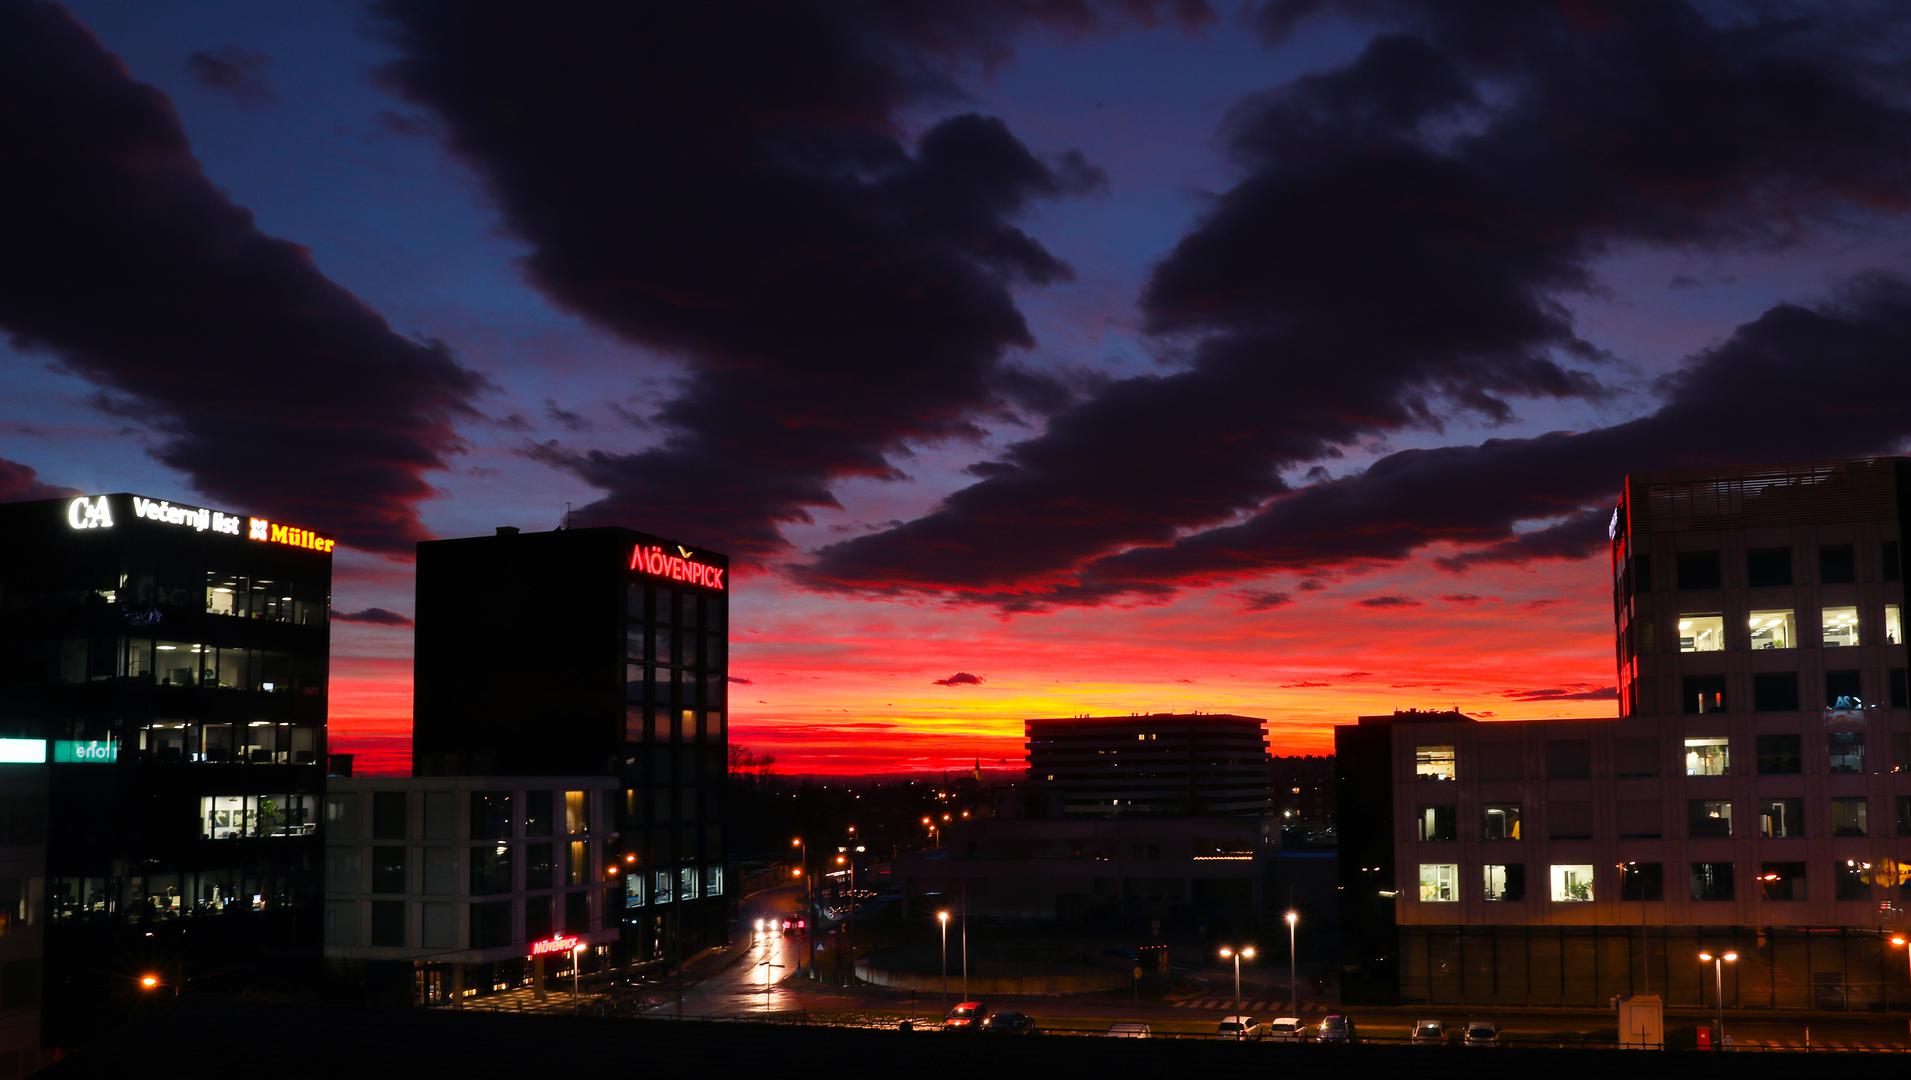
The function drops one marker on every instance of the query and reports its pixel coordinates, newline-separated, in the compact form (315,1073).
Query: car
(1481,1033)
(1286,1029)
(968,1016)
(1008,1023)
(1428,1033)
(1239,1027)
(1129,1031)
(1335,1028)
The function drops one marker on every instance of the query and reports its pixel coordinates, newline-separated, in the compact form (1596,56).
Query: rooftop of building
(1153,718)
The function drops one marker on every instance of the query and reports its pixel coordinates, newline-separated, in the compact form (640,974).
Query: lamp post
(577,960)
(1293,967)
(943,918)
(1228,952)
(809,904)
(1718,963)
(1899,941)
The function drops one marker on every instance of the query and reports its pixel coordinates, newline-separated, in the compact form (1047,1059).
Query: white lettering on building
(194,517)
(89,513)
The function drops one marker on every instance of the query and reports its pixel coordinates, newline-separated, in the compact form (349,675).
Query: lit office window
(1849,817)
(1437,823)
(713,880)
(232,817)
(1781,817)
(633,890)
(1505,883)
(1572,883)
(1502,822)
(1433,762)
(1774,629)
(1840,626)
(1708,818)
(687,883)
(1439,883)
(1701,633)
(1893,629)
(1708,756)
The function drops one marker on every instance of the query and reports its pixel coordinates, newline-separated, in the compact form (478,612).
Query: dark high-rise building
(163,668)
(586,652)
(1190,764)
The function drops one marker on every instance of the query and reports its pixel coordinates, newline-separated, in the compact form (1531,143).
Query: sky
(1029,358)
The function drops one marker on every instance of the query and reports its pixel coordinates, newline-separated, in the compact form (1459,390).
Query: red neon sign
(551,945)
(652,559)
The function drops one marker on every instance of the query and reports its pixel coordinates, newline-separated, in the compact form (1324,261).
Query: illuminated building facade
(171,661)
(591,652)
(1754,792)
(1178,764)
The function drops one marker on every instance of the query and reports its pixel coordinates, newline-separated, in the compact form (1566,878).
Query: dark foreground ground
(306,1041)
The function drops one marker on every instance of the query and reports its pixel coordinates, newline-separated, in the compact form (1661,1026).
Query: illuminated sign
(22,751)
(194,517)
(86,751)
(89,513)
(261,529)
(551,945)
(652,559)
(1612,526)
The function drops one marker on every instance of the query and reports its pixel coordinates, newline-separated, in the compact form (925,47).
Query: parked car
(1129,1031)
(1335,1028)
(1008,1023)
(1286,1029)
(1481,1033)
(1239,1027)
(1428,1033)
(967,1016)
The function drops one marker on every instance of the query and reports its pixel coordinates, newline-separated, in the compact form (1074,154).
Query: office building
(590,652)
(443,888)
(1753,794)
(1174,764)
(169,662)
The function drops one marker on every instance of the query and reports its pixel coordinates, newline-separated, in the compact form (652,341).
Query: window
(687,883)
(1505,882)
(1502,822)
(441,872)
(1779,818)
(1775,691)
(388,869)
(1779,755)
(1846,750)
(1436,823)
(1898,694)
(1712,881)
(1782,880)
(577,911)
(491,924)
(1569,819)
(1439,883)
(660,892)
(1639,819)
(1893,570)
(1698,569)
(1708,755)
(1850,880)
(1904,815)
(491,869)
(1848,817)
(1708,818)
(1704,693)
(1836,565)
(490,815)
(1641,881)
(1765,567)
(440,806)
(633,890)
(1775,628)
(540,867)
(388,815)
(1893,628)
(388,922)
(1642,573)
(713,879)
(1839,626)
(1572,883)
(1701,633)
(577,818)
(1433,762)
(231,817)
(1635,757)
(1843,690)
(1568,759)
(537,813)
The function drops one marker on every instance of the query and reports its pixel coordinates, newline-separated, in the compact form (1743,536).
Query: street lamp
(149,981)
(1718,977)
(1237,955)
(577,960)
(1293,991)
(1899,941)
(943,918)
(809,903)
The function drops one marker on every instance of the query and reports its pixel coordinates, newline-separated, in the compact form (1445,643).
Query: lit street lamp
(943,918)
(1899,941)
(809,904)
(1247,952)
(1293,990)
(1718,977)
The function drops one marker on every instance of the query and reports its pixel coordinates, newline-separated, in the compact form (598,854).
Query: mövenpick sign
(653,560)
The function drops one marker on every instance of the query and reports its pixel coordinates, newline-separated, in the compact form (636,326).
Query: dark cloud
(741,681)
(1397,253)
(1464,599)
(1298,685)
(1264,600)
(242,74)
(1389,602)
(20,482)
(731,187)
(126,263)
(1575,692)
(961,678)
(377,616)
(570,421)
(1352,675)
(410,125)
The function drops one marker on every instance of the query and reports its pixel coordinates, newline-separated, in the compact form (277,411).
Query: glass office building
(591,652)
(172,660)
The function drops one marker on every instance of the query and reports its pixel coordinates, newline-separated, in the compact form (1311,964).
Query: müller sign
(652,559)
(96,512)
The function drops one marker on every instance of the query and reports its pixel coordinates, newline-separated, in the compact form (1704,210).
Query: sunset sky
(1030,358)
